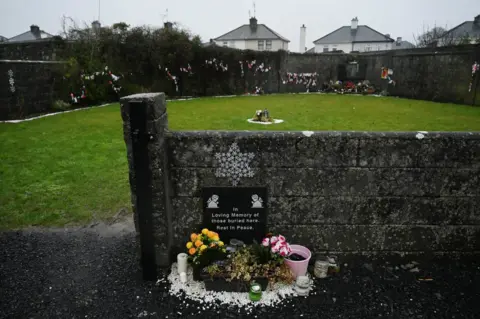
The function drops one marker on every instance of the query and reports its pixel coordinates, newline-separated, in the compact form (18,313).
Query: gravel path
(93,273)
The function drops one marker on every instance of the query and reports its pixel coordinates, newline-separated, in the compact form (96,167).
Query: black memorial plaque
(236,212)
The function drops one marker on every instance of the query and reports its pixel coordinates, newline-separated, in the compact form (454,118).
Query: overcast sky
(212,18)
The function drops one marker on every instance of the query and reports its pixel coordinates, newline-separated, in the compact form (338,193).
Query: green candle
(255,292)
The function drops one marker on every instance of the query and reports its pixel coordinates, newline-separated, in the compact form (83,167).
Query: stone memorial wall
(344,192)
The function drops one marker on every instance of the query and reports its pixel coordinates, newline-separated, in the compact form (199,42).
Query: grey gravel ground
(93,272)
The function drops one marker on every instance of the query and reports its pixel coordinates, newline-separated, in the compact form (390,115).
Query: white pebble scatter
(308,133)
(419,136)
(193,290)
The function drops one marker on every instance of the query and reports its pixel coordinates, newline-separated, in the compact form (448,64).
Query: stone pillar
(144,124)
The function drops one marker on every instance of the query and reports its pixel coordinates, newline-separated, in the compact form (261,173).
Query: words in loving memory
(235,220)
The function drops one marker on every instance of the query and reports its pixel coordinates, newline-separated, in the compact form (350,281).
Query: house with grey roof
(34,34)
(466,32)
(401,44)
(359,38)
(3,39)
(253,36)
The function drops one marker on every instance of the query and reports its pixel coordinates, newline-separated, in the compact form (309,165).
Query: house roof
(244,32)
(312,50)
(345,34)
(30,36)
(2,39)
(402,45)
(208,44)
(467,28)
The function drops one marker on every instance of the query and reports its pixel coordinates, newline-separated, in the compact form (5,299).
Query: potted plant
(298,260)
(203,249)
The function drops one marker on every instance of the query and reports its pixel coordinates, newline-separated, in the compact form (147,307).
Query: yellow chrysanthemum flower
(189,245)
(203,247)
(220,243)
(205,231)
(216,238)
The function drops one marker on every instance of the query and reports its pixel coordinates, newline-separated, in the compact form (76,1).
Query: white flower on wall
(234,165)
(11,81)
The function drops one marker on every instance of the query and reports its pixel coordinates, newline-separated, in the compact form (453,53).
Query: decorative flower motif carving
(234,164)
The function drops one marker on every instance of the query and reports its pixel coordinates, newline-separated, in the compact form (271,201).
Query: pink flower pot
(299,268)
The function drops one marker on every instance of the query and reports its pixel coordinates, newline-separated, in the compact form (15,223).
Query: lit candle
(182,263)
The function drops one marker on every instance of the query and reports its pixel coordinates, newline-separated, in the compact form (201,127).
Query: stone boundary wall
(435,74)
(345,192)
(33,90)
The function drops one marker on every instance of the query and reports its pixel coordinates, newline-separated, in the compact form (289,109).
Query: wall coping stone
(475,135)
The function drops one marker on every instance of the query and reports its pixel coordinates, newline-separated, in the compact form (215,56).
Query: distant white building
(355,37)
(33,34)
(253,36)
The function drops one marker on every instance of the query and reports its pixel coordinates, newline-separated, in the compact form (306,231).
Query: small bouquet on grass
(205,248)
(262,116)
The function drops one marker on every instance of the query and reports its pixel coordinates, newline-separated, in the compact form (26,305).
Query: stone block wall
(345,192)
(45,50)
(438,74)
(35,86)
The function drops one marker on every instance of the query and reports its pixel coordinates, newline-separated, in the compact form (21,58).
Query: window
(232,44)
(368,48)
(225,43)
(334,47)
(269,45)
(260,45)
(325,48)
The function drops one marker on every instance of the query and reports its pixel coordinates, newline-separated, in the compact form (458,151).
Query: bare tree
(437,36)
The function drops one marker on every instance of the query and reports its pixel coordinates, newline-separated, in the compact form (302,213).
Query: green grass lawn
(71,168)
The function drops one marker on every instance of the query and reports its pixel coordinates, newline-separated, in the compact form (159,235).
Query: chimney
(476,20)
(253,24)
(387,35)
(96,25)
(35,29)
(354,23)
(168,25)
(399,41)
(303,37)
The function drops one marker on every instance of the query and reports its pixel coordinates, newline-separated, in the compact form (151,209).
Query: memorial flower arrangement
(246,265)
(272,248)
(205,247)
(262,262)
(262,116)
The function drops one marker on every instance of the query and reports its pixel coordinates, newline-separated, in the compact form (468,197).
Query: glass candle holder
(321,268)
(255,292)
